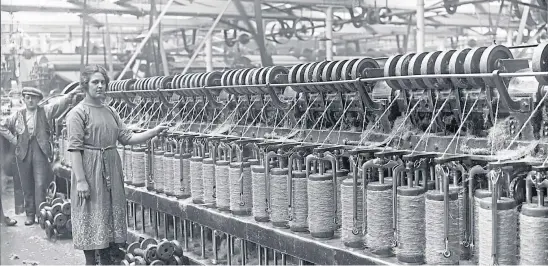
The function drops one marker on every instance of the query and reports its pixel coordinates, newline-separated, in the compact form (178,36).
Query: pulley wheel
(390,71)
(301,77)
(130,85)
(490,58)
(236,79)
(308,73)
(272,76)
(292,77)
(346,74)
(249,81)
(540,62)
(472,66)
(337,74)
(175,82)
(262,79)
(326,75)
(402,69)
(224,81)
(72,86)
(242,80)
(257,80)
(212,77)
(358,70)
(415,69)
(456,66)
(442,67)
(229,81)
(317,76)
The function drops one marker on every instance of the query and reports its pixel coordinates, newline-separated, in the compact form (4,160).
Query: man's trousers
(36,175)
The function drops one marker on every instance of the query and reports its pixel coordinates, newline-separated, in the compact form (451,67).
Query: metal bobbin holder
(322,193)
(169,160)
(222,173)
(240,179)
(379,197)
(474,197)
(497,216)
(534,218)
(276,178)
(442,235)
(157,163)
(409,206)
(342,174)
(353,200)
(258,183)
(177,170)
(196,164)
(128,159)
(297,188)
(208,172)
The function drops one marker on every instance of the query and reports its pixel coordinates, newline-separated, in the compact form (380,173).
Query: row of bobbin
(533,219)
(209,174)
(222,175)
(276,190)
(157,177)
(259,180)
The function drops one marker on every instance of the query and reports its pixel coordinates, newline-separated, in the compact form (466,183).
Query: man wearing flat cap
(33,146)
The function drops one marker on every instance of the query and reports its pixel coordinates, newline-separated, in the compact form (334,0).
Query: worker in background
(33,149)
(98,211)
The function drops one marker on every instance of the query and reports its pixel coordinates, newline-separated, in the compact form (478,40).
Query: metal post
(523,21)
(108,49)
(165,65)
(82,53)
(208,54)
(420,26)
(144,41)
(329,34)
(208,35)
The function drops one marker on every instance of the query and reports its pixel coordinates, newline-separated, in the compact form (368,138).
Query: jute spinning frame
(237,162)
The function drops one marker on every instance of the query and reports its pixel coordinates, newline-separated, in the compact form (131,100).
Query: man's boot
(30,220)
(8,221)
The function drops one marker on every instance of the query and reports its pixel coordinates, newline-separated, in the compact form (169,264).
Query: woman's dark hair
(88,71)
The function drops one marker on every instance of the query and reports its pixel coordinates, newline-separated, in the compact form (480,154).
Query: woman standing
(99,209)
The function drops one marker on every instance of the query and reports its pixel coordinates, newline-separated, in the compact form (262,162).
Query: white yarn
(177,176)
(138,168)
(148,169)
(185,184)
(320,206)
(533,240)
(435,240)
(159,173)
(258,191)
(196,182)
(347,197)
(379,220)
(208,175)
(507,236)
(222,185)
(278,198)
(129,163)
(300,204)
(235,190)
(411,234)
(168,174)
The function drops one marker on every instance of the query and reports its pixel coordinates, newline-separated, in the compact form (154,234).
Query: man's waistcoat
(41,132)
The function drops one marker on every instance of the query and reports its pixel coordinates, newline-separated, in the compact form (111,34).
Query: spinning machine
(430,158)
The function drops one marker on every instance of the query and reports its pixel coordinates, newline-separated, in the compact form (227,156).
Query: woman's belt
(104,168)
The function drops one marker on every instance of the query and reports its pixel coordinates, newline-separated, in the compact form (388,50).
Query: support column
(420,26)
(329,34)
(523,22)
(108,49)
(209,53)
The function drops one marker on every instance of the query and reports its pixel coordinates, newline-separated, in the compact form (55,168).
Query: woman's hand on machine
(161,128)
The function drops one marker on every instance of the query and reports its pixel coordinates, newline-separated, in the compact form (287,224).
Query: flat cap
(32,91)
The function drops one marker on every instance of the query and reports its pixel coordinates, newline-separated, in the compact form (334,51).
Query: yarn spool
(347,199)
(185,175)
(159,176)
(168,173)
(534,233)
(342,174)
(259,193)
(122,154)
(299,208)
(321,215)
(478,195)
(410,224)
(149,169)
(196,180)
(380,233)
(278,197)
(128,177)
(506,230)
(222,172)
(177,176)
(138,165)
(240,197)
(208,175)
(435,239)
